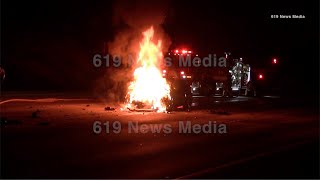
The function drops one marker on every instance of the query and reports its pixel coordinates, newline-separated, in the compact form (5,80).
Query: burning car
(149,89)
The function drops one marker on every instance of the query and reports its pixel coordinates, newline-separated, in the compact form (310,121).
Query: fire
(149,89)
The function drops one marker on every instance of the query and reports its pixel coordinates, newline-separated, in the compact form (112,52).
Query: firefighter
(250,89)
(227,90)
(180,95)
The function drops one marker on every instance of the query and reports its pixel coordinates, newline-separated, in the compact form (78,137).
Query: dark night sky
(50,44)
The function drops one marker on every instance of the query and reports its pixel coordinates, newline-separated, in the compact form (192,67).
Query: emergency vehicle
(213,80)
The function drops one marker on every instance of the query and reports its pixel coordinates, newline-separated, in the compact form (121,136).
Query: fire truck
(232,79)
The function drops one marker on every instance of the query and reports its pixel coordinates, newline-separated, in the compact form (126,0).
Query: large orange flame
(148,86)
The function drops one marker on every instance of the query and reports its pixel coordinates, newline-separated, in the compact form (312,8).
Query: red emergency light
(184,51)
(275,61)
(260,76)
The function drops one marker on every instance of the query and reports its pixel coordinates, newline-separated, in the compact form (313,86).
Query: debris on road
(109,109)
(4,121)
(43,123)
(219,112)
(35,113)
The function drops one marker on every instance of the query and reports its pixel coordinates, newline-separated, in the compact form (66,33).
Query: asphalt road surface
(53,136)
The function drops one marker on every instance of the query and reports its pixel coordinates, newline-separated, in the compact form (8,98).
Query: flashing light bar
(184,51)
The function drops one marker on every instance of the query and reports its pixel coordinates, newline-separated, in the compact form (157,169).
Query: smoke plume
(130,19)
